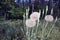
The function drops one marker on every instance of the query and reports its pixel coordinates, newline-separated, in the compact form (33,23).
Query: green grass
(14,27)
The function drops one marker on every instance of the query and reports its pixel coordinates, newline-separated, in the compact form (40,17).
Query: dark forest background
(14,9)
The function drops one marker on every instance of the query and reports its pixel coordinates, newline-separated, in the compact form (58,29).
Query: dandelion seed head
(30,23)
(35,16)
(49,18)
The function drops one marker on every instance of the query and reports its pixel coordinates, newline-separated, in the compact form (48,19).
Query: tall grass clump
(32,24)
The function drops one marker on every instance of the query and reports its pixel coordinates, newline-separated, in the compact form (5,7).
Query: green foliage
(17,11)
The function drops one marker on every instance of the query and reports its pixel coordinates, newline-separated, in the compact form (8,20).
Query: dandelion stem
(37,27)
(52,28)
(43,30)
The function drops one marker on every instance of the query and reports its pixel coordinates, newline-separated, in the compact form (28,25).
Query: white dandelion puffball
(35,16)
(30,23)
(49,18)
